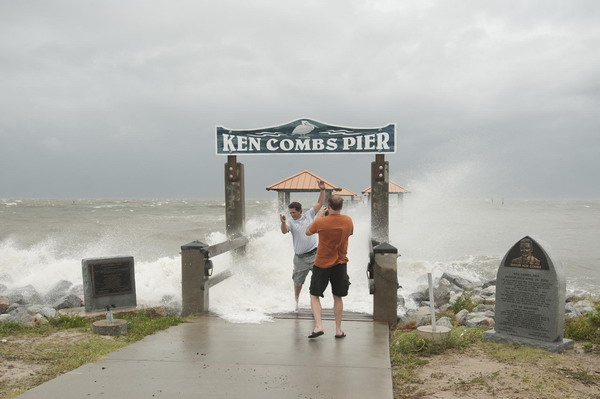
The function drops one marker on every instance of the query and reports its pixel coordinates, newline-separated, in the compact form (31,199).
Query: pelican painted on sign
(303,129)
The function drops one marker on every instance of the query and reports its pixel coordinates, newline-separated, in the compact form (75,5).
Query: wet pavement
(209,357)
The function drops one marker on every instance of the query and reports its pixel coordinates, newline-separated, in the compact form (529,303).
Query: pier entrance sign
(306,136)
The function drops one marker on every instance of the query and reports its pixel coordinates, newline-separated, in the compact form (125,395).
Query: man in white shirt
(305,247)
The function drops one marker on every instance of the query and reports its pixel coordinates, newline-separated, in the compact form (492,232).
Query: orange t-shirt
(333,231)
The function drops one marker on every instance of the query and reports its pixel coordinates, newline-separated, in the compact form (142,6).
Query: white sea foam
(433,233)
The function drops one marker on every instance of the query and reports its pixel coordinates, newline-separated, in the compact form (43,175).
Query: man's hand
(283,227)
(322,212)
(321,185)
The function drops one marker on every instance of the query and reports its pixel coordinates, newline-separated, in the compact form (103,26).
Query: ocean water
(42,241)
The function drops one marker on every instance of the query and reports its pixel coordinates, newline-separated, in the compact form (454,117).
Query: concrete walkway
(211,358)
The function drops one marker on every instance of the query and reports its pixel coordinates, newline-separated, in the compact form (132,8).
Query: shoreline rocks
(448,289)
(26,305)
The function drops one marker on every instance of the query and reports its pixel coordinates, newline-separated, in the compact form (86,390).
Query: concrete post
(194,282)
(328,194)
(281,207)
(235,198)
(385,271)
(380,199)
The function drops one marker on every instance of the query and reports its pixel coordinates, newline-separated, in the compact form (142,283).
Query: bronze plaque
(526,254)
(112,278)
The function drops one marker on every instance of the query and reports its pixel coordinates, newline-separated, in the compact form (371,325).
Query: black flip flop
(342,335)
(316,334)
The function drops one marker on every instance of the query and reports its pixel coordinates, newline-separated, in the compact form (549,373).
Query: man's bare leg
(297,289)
(338,309)
(315,305)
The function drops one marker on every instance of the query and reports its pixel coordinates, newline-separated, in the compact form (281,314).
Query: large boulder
(444,322)
(461,317)
(458,281)
(38,319)
(27,295)
(489,291)
(488,284)
(45,311)
(480,319)
(415,318)
(58,291)
(16,298)
(13,306)
(571,311)
(442,292)
(400,301)
(22,315)
(483,308)
(4,304)
(488,323)
(584,306)
(77,290)
(420,296)
(68,302)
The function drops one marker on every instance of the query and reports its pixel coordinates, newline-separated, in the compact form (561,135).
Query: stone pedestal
(440,334)
(117,327)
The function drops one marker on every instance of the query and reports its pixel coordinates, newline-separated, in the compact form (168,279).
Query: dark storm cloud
(121,98)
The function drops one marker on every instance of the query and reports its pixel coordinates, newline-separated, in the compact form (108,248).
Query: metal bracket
(232,168)
(379,170)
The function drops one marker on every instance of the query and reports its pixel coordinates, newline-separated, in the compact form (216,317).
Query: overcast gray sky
(121,98)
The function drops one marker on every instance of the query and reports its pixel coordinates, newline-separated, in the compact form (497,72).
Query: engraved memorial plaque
(530,298)
(112,278)
(108,282)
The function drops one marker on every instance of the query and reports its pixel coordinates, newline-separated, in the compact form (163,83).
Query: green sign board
(306,136)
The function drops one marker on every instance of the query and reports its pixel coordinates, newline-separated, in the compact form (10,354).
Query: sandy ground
(21,372)
(473,374)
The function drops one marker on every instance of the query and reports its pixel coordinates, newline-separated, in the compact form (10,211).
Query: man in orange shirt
(330,262)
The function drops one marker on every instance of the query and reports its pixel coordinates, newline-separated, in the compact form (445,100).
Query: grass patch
(66,343)
(66,322)
(146,323)
(554,377)
(408,352)
(513,353)
(464,301)
(581,375)
(584,328)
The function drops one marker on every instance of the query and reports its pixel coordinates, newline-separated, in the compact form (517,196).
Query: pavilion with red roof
(302,182)
(393,188)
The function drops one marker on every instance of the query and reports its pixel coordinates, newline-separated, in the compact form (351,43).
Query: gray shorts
(302,265)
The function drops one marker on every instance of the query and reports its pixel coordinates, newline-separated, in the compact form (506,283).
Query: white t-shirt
(302,242)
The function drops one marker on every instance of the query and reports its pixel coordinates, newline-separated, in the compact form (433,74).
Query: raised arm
(321,198)
(284,227)
(320,214)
